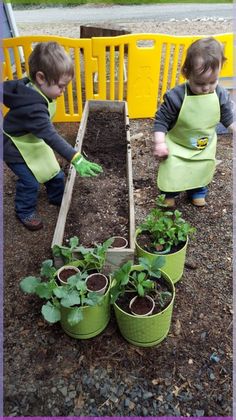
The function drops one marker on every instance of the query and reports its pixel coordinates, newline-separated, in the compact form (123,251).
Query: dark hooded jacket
(167,115)
(28,113)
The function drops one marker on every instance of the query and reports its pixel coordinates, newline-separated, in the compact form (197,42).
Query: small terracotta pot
(134,299)
(65,272)
(119,242)
(93,283)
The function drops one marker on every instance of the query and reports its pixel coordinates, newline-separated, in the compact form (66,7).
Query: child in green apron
(185,124)
(30,138)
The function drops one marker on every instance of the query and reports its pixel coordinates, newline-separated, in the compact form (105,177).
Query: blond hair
(51,59)
(209,51)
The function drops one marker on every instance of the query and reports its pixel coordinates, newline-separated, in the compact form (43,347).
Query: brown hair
(209,50)
(51,59)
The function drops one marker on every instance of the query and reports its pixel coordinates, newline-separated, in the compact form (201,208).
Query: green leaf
(74,316)
(56,251)
(60,292)
(93,299)
(74,242)
(73,298)
(140,290)
(122,274)
(141,276)
(51,313)
(81,286)
(74,279)
(29,284)
(45,290)
(47,269)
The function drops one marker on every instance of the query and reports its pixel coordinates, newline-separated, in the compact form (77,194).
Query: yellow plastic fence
(138,68)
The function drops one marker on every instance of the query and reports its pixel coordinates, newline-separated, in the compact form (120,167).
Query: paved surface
(90,14)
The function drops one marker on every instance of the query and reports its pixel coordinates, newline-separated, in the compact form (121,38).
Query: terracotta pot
(133,305)
(65,272)
(97,282)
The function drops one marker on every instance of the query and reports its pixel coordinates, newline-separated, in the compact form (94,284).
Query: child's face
(52,91)
(202,84)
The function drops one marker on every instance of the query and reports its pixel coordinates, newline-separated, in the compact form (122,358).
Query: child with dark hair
(30,137)
(185,124)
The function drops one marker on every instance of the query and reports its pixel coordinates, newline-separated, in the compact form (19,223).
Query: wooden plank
(111,106)
(66,200)
(88,31)
(130,182)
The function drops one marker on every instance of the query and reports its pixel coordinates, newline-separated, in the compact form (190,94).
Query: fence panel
(138,68)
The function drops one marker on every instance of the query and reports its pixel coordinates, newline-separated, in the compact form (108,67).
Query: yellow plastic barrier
(138,68)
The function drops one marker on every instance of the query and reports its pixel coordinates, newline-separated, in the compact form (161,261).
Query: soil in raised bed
(99,207)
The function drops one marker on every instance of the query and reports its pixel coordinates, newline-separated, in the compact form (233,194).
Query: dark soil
(142,305)
(66,273)
(99,207)
(119,242)
(47,373)
(96,282)
(145,241)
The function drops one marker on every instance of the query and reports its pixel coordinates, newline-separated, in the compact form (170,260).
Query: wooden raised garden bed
(95,209)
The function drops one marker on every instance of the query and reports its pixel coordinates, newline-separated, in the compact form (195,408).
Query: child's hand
(160,150)
(160,147)
(85,167)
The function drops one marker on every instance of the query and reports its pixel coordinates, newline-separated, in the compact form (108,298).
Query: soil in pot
(119,242)
(96,282)
(144,240)
(99,207)
(66,273)
(142,305)
(161,286)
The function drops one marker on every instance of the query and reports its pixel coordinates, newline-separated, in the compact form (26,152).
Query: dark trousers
(194,193)
(27,189)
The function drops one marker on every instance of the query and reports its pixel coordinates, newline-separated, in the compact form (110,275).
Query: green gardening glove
(85,167)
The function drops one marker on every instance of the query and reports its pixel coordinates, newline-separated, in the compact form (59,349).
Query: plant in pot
(82,314)
(135,282)
(78,256)
(90,260)
(164,232)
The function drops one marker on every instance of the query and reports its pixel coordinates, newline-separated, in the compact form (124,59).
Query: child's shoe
(32,222)
(199,202)
(170,202)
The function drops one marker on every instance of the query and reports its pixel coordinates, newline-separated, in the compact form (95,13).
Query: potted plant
(164,232)
(137,281)
(78,256)
(82,314)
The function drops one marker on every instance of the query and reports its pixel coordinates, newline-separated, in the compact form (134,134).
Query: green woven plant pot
(95,319)
(146,331)
(174,263)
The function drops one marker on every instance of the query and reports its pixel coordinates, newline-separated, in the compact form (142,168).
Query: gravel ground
(46,373)
(206,26)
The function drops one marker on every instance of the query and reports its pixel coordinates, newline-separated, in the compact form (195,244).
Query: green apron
(38,156)
(192,145)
